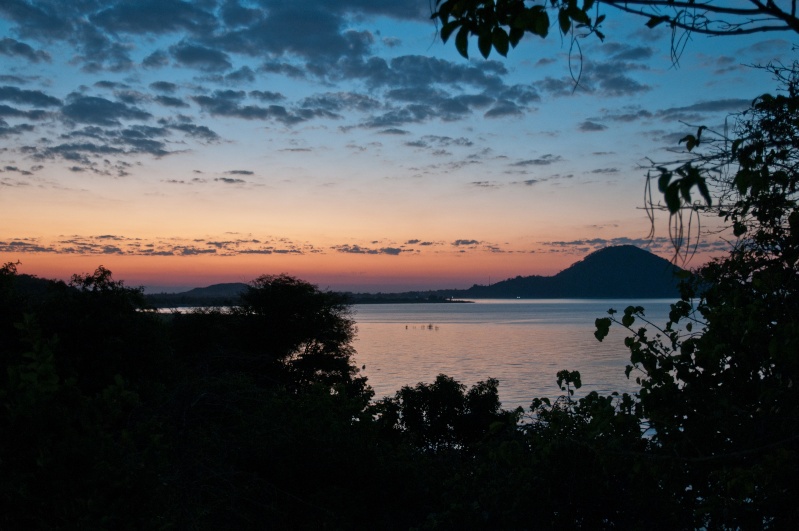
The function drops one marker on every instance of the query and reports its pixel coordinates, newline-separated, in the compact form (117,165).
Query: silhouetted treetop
(501,24)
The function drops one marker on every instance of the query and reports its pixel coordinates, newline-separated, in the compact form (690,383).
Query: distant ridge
(230,289)
(226,294)
(624,271)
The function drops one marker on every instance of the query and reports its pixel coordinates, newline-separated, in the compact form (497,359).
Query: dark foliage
(718,382)
(116,417)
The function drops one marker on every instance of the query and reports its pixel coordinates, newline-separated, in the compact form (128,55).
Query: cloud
(409,105)
(88,147)
(11,112)
(606,79)
(28,97)
(123,245)
(230,103)
(439,141)
(393,131)
(13,130)
(265,95)
(544,160)
(503,109)
(16,170)
(110,85)
(627,114)
(169,101)
(556,87)
(460,243)
(318,31)
(16,246)
(282,68)
(660,245)
(195,131)
(200,57)
(230,180)
(100,111)
(242,75)
(192,251)
(621,85)
(357,249)
(391,42)
(421,71)
(697,111)
(312,30)
(335,102)
(626,52)
(157,59)
(166,87)
(154,17)
(15,48)
(591,126)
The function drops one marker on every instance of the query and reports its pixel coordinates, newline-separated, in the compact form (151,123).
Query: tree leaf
(672,198)
(602,328)
(576,14)
(690,142)
(501,41)
(462,42)
(564,21)
(515,36)
(703,190)
(542,24)
(484,44)
(539,21)
(656,21)
(663,181)
(448,28)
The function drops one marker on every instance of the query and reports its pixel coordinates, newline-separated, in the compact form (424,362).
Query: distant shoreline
(624,271)
(166,301)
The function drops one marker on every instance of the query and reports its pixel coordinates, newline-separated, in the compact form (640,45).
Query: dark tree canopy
(501,24)
(718,382)
(116,417)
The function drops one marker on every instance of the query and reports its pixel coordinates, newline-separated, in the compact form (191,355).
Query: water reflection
(522,343)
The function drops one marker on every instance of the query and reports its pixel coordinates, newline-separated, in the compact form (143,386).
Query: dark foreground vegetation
(115,417)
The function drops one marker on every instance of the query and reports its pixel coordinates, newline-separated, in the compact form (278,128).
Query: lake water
(522,343)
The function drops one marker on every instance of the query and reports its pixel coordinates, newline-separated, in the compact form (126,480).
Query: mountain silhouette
(624,271)
(226,294)
(230,289)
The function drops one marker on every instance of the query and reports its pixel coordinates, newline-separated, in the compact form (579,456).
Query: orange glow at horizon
(334,271)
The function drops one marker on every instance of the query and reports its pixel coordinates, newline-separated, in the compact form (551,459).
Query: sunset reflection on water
(521,343)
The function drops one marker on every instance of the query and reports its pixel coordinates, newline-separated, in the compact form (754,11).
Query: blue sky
(185,143)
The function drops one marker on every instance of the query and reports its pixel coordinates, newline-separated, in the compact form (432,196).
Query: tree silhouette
(501,24)
(718,380)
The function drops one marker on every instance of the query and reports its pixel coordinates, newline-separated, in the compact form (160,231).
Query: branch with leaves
(501,24)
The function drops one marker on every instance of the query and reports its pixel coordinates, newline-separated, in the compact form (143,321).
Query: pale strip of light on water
(522,343)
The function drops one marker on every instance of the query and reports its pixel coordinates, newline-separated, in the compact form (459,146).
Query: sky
(186,143)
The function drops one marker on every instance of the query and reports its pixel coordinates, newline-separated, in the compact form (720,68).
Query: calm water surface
(522,343)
